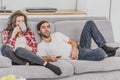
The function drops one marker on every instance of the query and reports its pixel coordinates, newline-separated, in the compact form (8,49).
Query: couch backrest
(70,26)
(55,18)
(3,25)
(74,28)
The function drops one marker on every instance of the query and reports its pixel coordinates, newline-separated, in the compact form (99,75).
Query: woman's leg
(34,59)
(29,56)
(91,54)
(8,52)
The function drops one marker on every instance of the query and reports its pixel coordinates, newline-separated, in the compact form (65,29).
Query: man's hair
(40,23)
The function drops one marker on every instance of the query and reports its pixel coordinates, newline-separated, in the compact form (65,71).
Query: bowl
(12,77)
(18,77)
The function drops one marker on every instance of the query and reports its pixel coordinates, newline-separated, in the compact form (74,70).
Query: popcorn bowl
(12,77)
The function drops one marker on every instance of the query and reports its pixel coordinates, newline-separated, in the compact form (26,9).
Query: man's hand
(51,58)
(74,54)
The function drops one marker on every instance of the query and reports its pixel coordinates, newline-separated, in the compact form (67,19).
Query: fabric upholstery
(4,62)
(39,71)
(107,75)
(3,25)
(108,64)
(72,29)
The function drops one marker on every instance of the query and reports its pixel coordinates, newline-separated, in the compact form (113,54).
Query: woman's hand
(28,48)
(15,31)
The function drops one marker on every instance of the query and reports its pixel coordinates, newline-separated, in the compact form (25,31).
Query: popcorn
(9,77)
(12,77)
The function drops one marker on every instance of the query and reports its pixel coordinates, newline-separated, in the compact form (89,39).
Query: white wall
(115,19)
(0,4)
(22,4)
(81,5)
(98,8)
(95,7)
(102,8)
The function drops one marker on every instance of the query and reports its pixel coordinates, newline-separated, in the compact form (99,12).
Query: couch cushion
(108,64)
(5,62)
(3,25)
(39,71)
(72,29)
(106,29)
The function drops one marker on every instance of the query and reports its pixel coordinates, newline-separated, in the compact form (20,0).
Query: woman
(20,45)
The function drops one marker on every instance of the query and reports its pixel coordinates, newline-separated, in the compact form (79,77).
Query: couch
(107,69)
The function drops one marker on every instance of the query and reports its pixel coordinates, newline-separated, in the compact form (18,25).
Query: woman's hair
(12,21)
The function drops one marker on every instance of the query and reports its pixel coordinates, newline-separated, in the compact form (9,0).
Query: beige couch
(107,69)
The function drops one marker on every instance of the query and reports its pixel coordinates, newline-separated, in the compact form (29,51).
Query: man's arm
(74,54)
(42,54)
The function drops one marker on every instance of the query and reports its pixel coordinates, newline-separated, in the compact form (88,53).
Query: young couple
(19,44)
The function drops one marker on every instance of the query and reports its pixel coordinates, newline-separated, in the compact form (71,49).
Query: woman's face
(19,19)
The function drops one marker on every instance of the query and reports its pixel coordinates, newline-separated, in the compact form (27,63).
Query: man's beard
(44,36)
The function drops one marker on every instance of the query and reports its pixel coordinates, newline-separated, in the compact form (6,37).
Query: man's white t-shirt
(57,47)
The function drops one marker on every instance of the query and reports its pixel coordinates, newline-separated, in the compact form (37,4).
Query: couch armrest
(5,62)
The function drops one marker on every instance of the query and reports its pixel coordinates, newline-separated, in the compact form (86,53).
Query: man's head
(43,28)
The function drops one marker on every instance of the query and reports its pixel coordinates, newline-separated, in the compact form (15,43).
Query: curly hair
(12,21)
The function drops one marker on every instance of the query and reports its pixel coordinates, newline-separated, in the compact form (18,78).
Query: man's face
(45,30)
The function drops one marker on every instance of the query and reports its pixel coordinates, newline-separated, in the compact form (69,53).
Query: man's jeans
(90,31)
(21,56)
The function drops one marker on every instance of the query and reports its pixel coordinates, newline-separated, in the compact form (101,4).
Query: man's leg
(91,54)
(8,52)
(90,31)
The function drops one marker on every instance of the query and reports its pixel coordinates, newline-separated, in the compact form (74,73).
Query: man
(57,44)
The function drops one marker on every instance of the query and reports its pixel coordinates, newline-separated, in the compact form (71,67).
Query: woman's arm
(31,40)
(4,37)
(7,39)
